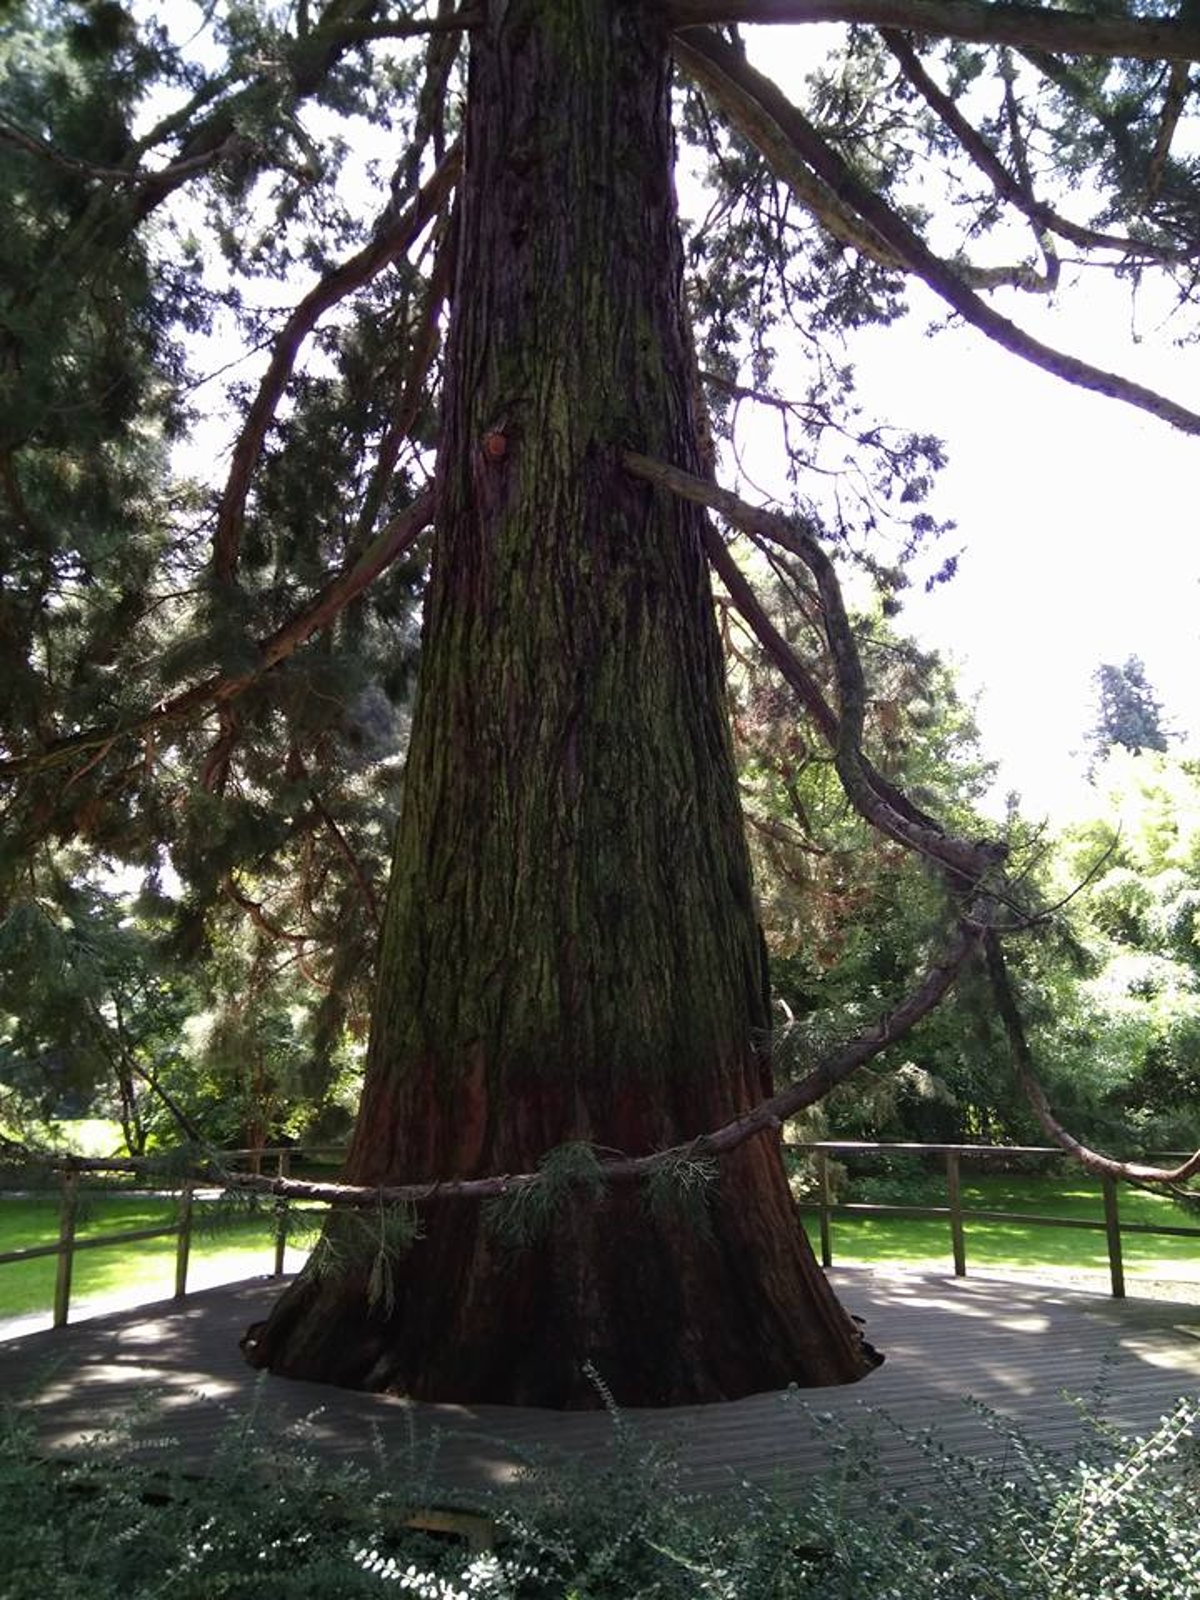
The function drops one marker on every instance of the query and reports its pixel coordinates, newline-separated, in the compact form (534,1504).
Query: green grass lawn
(1015,1244)
(240,1242)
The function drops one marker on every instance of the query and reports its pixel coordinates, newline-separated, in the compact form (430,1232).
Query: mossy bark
(570,948)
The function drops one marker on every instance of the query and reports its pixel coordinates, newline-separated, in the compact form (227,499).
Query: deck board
(1021,1349)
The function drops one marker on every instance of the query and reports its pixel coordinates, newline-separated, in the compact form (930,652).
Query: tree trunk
(570,948)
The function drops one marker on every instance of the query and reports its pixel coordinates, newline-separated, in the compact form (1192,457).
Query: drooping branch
(1089,32)
(765,1117)
(391,239)
(1009,1012)
(399,535)
(1006,184)
(878,802)
(830,209)
(730,79)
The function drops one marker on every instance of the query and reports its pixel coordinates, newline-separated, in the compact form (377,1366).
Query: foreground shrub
(1117,1520)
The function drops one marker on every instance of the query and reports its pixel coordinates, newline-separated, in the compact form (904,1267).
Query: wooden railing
(68,1244)
(955,1213)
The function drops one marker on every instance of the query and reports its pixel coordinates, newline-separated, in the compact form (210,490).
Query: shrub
(1116,1520)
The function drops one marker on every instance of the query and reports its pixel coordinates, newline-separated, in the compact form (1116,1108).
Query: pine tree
(570,970)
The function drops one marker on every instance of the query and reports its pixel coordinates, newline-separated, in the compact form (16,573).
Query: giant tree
(571,1005)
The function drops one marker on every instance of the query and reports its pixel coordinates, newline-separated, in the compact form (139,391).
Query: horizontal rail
(69,1243)
(956,1213)
(875,1146)
(96,1241)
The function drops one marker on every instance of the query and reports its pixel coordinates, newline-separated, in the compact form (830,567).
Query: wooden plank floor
(1019,1348)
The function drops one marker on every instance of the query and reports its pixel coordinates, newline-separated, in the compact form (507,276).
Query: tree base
(652,1309)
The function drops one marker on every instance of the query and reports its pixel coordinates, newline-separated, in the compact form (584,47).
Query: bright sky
(1077,514)
(1078,519)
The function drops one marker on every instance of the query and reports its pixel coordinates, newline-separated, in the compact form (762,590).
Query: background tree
(218,671)
(1128,1039)
(1129,715)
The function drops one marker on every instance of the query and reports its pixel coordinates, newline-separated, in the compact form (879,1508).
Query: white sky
(1077,512)
(1079,525)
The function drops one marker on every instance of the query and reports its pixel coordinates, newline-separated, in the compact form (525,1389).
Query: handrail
(954,1210)
(67,1245)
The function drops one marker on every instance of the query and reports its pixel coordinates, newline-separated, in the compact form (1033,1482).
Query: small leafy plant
(1117,1519)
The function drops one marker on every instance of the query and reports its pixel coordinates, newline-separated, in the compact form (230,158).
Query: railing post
(68,1208)
(954,1198)
(1112,1227)
(183,1244)
(281,1218)
(825,1198)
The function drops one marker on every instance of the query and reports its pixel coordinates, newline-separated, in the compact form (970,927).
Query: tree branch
(402,27)
(1014,1027)
(1007,186)
(393,540)
(1178,85)
(389,242)
(1038,27)
(719,66)
(762,1118)
(831,210)
(344,848)
(13,134)
(882,805)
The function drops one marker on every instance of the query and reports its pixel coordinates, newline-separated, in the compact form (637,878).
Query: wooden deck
(1019,1348)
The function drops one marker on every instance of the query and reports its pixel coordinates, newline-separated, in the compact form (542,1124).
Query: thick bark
(570,949)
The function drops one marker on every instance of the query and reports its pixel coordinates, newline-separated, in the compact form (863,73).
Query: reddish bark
(570,950)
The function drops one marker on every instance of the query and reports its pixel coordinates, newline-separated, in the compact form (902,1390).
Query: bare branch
(389,242)
(1038,27)
(1007,186)
(718,66)
(1014,1027)
(762,1118)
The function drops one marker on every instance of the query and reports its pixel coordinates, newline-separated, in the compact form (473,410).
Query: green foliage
(569,1174)
(683,1186)
(1116,1522)
(366,1244)
(91,1015)
(1128,713)
(1126,1039)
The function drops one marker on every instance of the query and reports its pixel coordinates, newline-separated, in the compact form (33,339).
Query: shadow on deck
(1020,1349)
